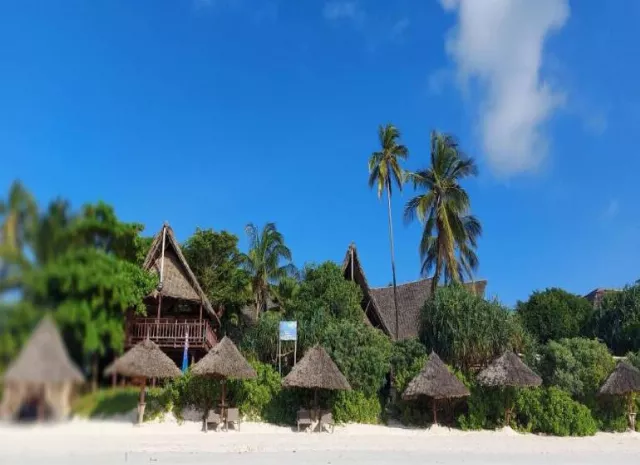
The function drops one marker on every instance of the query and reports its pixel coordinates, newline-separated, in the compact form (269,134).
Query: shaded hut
(508,371)
(223,362)
(316,371)
(437,382)
(624,381)
(144,361)
(43,374)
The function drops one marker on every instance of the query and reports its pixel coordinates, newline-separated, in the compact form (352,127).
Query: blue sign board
(288,330)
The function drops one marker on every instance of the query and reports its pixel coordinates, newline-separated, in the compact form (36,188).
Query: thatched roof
(508,370)
(44,359)
(436,381)
(625,379)
(316,370)
(178,281)
(145,359)
(411,298)
(224,361)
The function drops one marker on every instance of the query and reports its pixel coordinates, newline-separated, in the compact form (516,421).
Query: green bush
(554,314)
(253,396)
(464,329)
(616,321)
(578,366)
(105,403)
(485,409)
(553,411)
(408,357)
(356,407)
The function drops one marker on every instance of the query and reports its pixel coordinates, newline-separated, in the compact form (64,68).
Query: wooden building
(178,309)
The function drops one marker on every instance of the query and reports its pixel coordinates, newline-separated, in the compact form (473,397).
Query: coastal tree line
(83,265)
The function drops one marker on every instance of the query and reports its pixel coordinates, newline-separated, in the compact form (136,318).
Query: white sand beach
(102,442)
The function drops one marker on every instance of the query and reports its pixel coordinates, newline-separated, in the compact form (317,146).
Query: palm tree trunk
(393,260)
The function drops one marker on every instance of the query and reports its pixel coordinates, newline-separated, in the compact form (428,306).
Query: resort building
(378,304)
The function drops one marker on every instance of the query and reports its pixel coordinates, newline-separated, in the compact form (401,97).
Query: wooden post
(141,403)
(200,310)
(435,411)
(159,305)
(153,382)
(41,405)
(114,380)
(352,277)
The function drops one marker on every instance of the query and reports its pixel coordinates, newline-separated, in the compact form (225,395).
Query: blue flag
(185,354)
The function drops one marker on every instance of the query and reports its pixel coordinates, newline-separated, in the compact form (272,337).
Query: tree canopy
(554,314)
(616,321)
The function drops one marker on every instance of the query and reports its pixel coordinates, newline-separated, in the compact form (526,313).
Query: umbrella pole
(435,415)
(141,403)
(631,410)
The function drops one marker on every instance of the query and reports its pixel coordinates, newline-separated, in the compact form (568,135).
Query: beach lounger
(326,421)
(213,417)
(233,416)
(304,418)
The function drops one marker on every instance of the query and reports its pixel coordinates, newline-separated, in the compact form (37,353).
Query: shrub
(485,409)
(464,329)
(253,396)
(261,340)
(408,357)
(361,352)
(554,314)
(553,411)
(355,406)
(578,366)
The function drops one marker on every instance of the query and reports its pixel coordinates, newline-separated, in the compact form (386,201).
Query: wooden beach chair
(303,418)
(214,418)
(233,416)
(326,421)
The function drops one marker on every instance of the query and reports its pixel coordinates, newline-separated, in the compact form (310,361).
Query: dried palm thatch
(316,370)
(435,381)
(625,379)
(44,359)
(178,279)
(509,370)
(224,361)
(145,360)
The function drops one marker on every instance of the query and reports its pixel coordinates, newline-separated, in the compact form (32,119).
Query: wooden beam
(201,310)
(159,305)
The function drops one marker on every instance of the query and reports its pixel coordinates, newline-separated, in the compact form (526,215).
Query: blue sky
(221,112)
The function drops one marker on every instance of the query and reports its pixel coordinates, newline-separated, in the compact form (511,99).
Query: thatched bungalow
(142,362)
(378,303)
(177,309)
(316,371)
(43,375)
(437,382)
(624,381)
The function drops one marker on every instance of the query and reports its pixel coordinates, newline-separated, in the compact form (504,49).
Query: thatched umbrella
(144,360)
(316,371)
(624,381)
(435,381)
(43,361)
(510,372)
(224,361)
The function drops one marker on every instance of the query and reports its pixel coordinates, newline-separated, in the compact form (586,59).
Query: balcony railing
(171,333)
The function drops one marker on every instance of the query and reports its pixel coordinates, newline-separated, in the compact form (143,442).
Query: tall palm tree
(18,218)
(385,170)
(262,261)
(449,237)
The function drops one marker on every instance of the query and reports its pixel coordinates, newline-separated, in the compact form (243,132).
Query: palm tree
(450,233)
(18,218)
(385,170)
(262,262)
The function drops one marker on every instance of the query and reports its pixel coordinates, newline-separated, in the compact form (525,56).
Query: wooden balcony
(171,332)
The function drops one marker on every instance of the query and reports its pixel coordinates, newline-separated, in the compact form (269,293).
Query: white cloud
(498,44)
(343,10)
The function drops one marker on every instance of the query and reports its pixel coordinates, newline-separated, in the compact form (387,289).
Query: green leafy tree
(263,261)
(450,233)
(215,259)
(577,365)
(617,320)
(466,330)
(554,314)
(385,171)
(407,360)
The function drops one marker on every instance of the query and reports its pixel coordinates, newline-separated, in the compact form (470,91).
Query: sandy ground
(106,442)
